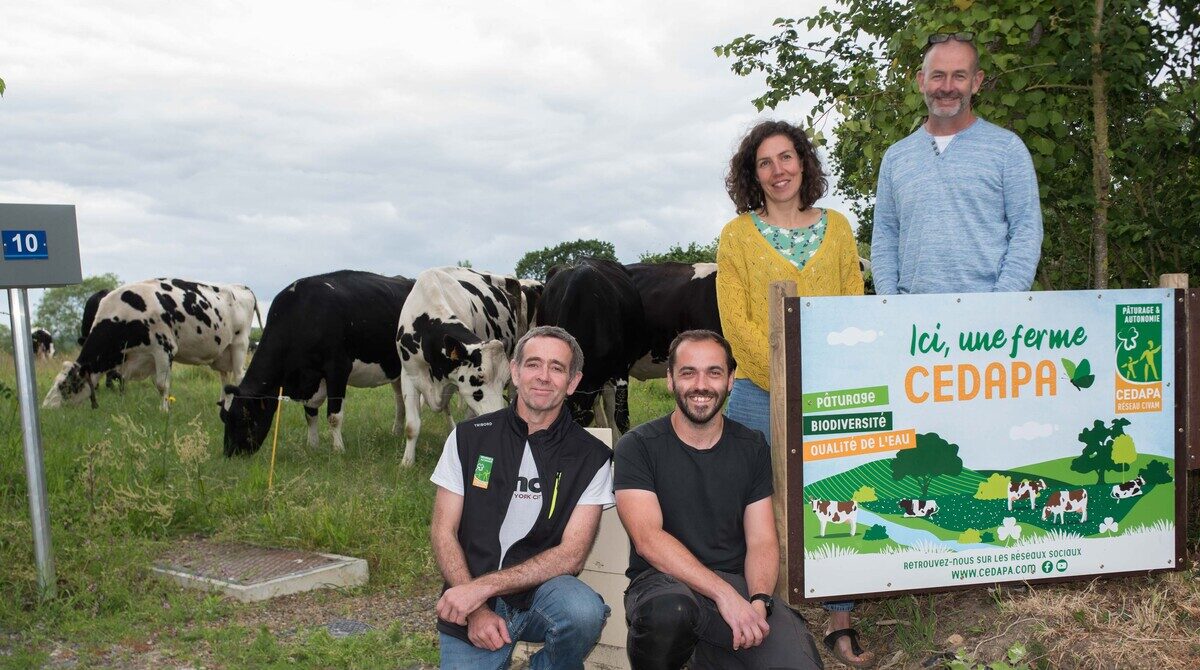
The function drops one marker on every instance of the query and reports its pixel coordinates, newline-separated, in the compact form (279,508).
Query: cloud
(259,143)
(852,336)
(1031,430)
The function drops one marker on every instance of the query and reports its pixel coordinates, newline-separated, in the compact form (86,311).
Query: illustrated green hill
(878,475)
(1060,469)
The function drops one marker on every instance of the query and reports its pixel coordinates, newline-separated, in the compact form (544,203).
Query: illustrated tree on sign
(864,494)
(933,456)
(1156,472)
(1098,448)
(1124,452)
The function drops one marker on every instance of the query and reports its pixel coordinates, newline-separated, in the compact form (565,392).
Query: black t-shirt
(703,493)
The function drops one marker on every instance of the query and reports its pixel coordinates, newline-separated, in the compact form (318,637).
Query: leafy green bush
(876,532)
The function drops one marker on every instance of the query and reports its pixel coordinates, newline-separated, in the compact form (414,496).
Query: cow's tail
(257,315)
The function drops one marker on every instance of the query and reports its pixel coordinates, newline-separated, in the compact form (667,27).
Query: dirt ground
(1151,622)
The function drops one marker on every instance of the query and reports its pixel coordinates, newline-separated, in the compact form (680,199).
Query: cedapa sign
(967,439)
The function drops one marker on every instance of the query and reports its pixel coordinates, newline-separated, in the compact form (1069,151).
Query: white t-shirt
(942,141)
(526,501)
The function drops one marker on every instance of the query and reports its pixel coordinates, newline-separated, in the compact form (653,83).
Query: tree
(933,456)
(876,532)
(535,264)
(463,263)
(1156,472)
(61,309)
(864,494)
(1103,92)
(694,253)
(1097,453)
(1124,452)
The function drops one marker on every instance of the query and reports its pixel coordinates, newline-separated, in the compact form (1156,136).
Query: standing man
(957,207)
(518,505)
(694,493)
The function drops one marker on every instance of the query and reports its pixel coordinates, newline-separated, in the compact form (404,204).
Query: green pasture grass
(878,475)
(1150,507)
(126,480)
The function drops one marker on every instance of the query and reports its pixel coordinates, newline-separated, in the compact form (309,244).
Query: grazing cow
(1129,489)
(456,332)
(89,313)
(111,379)
(836,511)
(323,334)
(919,508)
(1061,502)
(43,344)
(1025,489)
(596,302)
(142,328)
(675,297)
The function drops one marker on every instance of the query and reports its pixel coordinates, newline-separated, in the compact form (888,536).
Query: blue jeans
(750,406)
(566,614)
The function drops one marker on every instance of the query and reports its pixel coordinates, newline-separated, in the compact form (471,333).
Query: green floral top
(797,245)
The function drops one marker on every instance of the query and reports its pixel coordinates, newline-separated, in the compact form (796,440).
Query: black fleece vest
(567,458)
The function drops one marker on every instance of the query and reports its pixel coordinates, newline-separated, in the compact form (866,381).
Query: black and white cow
(597,302)
(43,344)
(457,331)
(675,297)
(1130,489)
(111,379)
(142,328)
(89,313)
(918,508)
(323,334)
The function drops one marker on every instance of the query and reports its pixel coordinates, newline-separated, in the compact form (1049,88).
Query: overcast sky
(260,142)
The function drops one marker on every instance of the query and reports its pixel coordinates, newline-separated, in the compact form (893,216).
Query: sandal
(831,643)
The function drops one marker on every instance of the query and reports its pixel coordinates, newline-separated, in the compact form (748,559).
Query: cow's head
(480,372)
(1038,485)
(71,386)
(247,421)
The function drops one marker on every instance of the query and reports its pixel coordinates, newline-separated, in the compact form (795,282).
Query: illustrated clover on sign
(1010,530)
(1109,526)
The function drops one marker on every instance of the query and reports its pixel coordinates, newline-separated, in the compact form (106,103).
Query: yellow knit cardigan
(746,266)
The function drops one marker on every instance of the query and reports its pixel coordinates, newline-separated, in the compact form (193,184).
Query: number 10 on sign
(25,245)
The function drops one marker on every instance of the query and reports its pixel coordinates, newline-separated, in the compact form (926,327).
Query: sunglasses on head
(938,38)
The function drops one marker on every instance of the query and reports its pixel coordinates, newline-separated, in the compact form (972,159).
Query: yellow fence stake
(274,442)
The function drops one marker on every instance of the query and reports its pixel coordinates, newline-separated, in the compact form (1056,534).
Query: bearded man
(957,207)
(694,492)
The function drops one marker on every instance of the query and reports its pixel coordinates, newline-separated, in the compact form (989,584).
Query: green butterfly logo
(1081,375)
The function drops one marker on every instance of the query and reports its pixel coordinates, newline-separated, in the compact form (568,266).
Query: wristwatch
(767,600)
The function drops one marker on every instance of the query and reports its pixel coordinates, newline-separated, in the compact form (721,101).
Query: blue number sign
(22,245)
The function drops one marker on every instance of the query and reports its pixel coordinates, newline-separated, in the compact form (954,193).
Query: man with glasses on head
(957,207)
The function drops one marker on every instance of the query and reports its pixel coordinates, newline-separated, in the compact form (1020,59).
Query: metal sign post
(40,249)
(18,309)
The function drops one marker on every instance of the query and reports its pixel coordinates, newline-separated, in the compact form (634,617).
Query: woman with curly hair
(774,179)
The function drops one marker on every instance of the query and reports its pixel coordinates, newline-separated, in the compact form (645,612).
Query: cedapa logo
(1139,332)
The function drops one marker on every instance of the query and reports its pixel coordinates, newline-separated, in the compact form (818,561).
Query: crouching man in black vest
(518,504)
(694,491)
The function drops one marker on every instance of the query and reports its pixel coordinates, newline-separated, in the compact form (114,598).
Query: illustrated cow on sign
(919,508)
(1062,502)
(1129,489)
(1025,489)
(836,511)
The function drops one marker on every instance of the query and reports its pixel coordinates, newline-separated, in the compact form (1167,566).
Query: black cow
(675,297)
(597,302)
(43,344)
(457,332)
(323,334)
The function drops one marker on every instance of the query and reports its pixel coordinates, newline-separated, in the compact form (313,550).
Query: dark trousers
(669,625)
